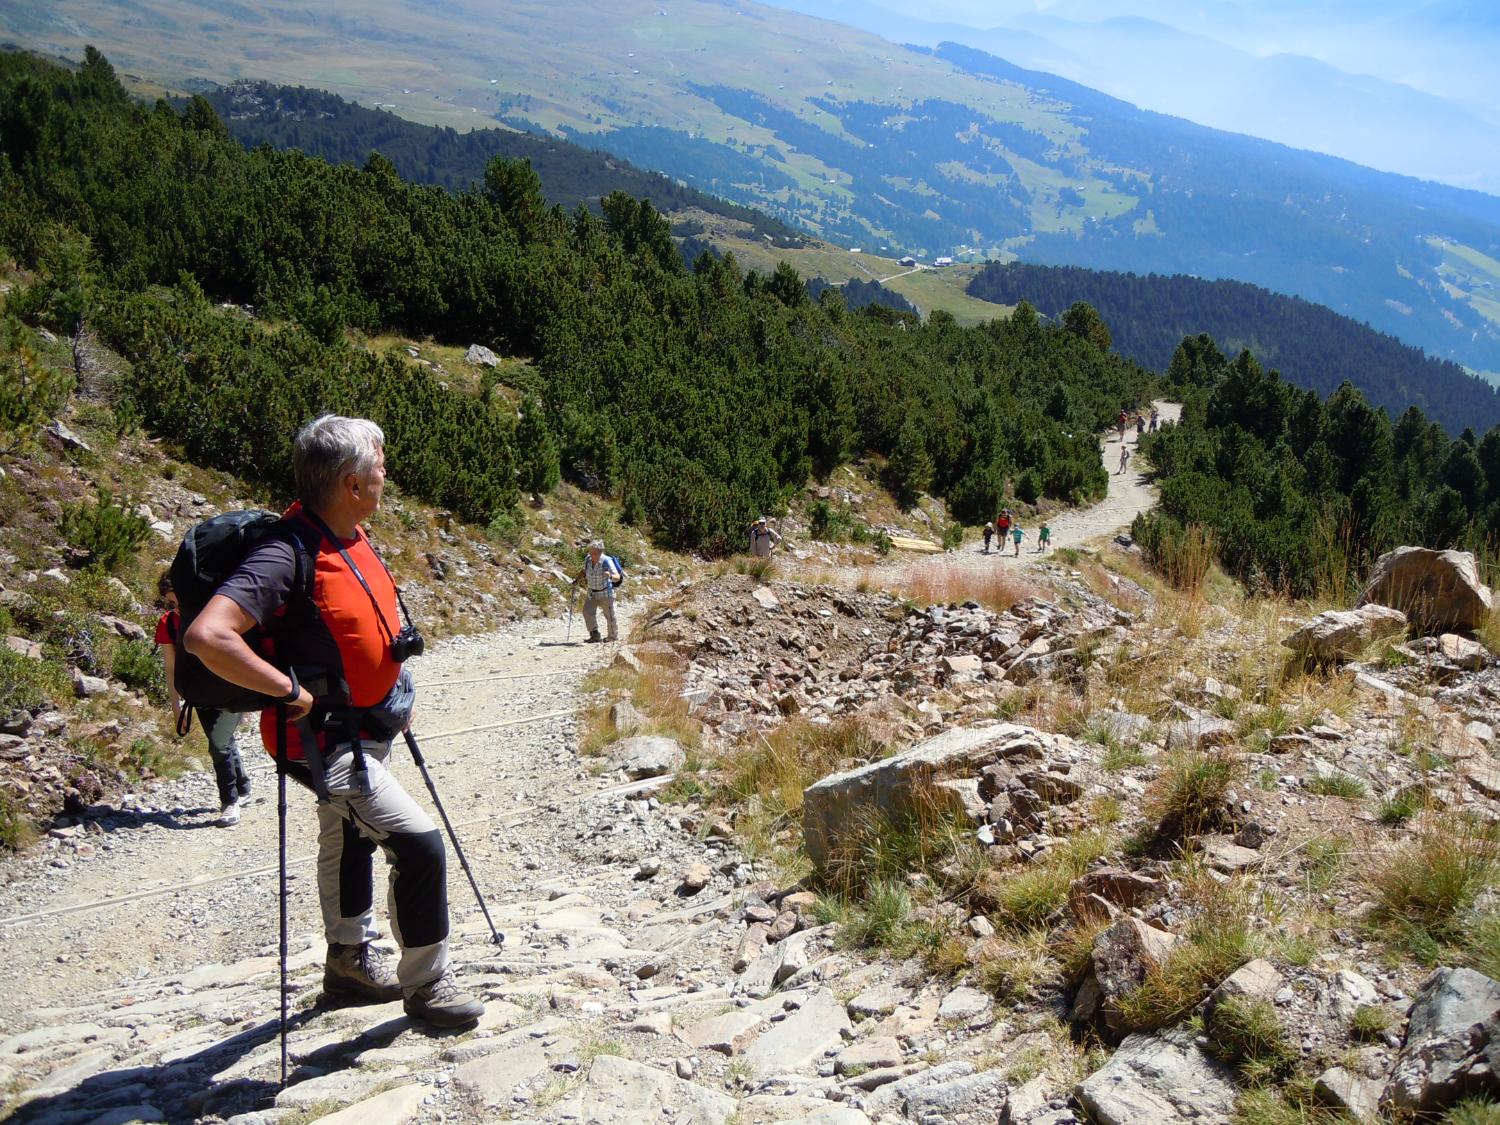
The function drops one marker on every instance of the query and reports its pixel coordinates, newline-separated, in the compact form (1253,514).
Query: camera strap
(354,568)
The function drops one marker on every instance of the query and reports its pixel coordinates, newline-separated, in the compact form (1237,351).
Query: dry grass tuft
(944,582)
(1188,797)
(1426,890)
(656,692)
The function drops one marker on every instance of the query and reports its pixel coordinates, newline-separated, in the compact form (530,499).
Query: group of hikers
(1008,525)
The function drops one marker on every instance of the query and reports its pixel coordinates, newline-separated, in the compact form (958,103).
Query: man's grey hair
(328,449)
(596,544)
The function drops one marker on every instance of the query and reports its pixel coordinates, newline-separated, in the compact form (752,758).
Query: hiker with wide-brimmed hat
(762,538)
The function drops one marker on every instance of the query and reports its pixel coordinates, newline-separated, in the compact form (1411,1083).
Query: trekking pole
(281,865)
(416,753)
(572,596)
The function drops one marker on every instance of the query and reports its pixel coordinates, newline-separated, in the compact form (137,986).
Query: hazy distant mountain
(1292,98)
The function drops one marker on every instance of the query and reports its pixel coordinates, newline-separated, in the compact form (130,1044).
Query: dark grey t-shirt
(264,580)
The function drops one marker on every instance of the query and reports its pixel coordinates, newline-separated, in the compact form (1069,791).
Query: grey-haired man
(599,577)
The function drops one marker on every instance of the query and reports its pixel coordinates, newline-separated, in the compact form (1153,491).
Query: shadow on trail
(183,1090)
(125,820)
(560,644)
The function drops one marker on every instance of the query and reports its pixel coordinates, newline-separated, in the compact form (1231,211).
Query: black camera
(406,644)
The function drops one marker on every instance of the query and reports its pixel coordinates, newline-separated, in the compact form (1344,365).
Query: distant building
(906,261)
(940,262)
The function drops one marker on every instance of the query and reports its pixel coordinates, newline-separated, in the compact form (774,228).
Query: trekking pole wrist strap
(296,691)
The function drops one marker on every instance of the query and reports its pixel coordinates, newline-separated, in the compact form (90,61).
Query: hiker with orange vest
(345,697)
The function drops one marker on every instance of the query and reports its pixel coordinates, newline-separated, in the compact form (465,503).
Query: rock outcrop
(1439,591)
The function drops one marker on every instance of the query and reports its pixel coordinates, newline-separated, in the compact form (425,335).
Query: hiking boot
(443,1003)
(594,637)
(358,971)
(230,813)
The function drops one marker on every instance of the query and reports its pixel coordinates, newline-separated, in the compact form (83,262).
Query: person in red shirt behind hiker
(347,640)
(218,726)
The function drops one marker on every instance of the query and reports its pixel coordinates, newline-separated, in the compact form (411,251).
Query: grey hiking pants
(229,769)
(595,602)
(350,827)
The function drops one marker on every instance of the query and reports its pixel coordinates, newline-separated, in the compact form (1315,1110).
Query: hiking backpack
(619,569)
(211,551)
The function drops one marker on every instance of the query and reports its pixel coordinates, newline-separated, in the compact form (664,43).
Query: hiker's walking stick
(572,597)
(416,753)
(281,865)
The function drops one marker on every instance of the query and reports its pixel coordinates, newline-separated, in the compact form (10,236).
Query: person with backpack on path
(989,533)
(342,694)
(1002,527)
(1124,459)
(1043,537)
(600,575)
(218,726)
(762,538)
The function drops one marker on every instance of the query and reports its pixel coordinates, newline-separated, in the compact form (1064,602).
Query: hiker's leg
(609,618)
(590,615)
(346,876)
(218,728)
(413,847)
(222,747)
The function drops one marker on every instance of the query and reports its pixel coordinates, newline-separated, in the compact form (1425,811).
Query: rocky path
(1130,494)
(645,974)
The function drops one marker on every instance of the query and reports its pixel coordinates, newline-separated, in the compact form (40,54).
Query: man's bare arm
(216,637)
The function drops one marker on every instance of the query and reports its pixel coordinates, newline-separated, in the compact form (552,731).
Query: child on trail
(1124,458)
(989,532)
(1016,533)
(1043,537)
(218,726)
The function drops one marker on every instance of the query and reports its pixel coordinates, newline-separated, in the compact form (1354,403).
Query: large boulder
(1341,634)
(892,789)
(1452,1044)
(1439,591)
(1162,1079)
(649,755)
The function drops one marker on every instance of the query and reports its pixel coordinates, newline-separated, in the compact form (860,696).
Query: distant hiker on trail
(1140,426)
(218,726)
(989,533)
(1043,537)
(1155,419)
(1002,527)
(1120,424)
(1124,457)
(1016,535)
(762,538)
(346,643)
(600,575)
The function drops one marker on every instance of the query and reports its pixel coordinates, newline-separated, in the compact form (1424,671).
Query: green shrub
(30,391)
(1473,1111)
(137,665)
(953,536)
(28,684)
(833,525)
(1180,554)
(109,532)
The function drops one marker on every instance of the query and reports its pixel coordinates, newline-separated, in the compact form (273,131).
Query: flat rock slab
(1163,1079)
(878,1000)
(340,1086)
(965,1005)
(618,1090)
(728,1034)
(516,1058)
(394,1107)
(799,1039)
(869,1054)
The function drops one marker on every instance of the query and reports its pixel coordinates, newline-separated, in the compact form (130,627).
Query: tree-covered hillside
(324,124)
(1310,345)
(863,141)
(698,396)
(1302,493)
